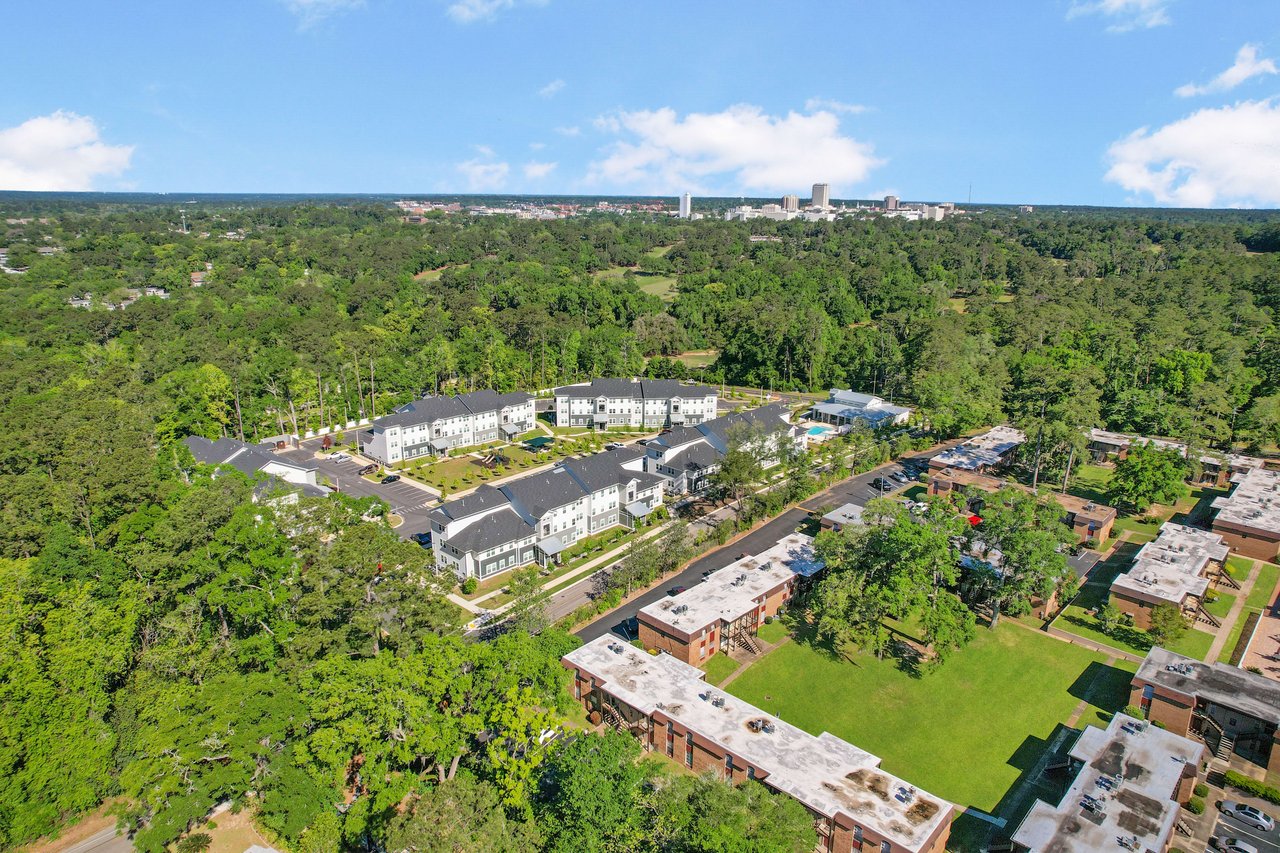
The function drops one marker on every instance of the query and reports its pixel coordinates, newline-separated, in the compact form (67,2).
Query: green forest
(167,644)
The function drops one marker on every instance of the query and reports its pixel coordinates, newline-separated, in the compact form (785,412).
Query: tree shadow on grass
(908,657)
(1133,638)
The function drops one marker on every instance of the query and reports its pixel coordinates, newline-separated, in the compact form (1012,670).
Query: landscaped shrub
(1252,787)
(1201,790)
(1195,805)
(1134,711)
(469,586)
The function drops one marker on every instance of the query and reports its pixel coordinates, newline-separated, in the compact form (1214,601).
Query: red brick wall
(1139,610)
(678,649)
(1248,545)
(1169,708)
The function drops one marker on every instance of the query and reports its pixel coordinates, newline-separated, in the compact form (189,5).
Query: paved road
(1229,827)
(857,490)
(105,841)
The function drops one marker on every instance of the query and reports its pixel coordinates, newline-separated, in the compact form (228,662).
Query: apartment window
(857,834)
(751,772)
(728,767)
(671,739)
(886,847)
(688,749)
(577,689)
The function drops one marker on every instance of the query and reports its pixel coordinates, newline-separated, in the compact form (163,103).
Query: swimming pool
(819,429)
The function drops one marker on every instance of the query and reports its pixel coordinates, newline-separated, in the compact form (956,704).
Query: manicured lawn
(1260,597)
(1234,637)
(1110,693)
(719,667)
(1090,482)
(1193,643)
(661,286)
(964,732)
(1239,567)
(1221,605)
(916,493)
(773,632)
(697,358)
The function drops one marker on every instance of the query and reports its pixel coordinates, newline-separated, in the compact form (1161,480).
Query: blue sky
(1112,102)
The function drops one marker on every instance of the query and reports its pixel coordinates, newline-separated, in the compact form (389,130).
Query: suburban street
(857,490)
(1229,827)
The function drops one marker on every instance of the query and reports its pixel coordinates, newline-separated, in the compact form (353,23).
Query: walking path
(1224,632)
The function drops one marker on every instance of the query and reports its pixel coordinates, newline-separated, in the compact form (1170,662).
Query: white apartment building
(534,518)
(433,426)
(634,403)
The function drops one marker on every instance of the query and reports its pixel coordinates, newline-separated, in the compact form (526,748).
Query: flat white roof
(1172,567)
(827,774)
(1255,502)
(1121,439)
(735,589)
(983,450)
(847,514)
(1124,791)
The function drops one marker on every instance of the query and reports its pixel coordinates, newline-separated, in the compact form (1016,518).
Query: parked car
(642,442)
(340,457)
(613,445)
(675,590)
(1248,814)
(368,469)
(423,539)
(390,478)
(1231,845)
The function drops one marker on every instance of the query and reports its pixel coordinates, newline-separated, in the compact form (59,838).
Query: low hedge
(1252,787)
(1195,805)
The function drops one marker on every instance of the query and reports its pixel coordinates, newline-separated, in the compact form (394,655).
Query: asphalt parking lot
(1229,827)
(410,502)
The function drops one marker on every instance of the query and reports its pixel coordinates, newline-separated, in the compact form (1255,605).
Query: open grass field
(965,732)
(654,284)
(697,358)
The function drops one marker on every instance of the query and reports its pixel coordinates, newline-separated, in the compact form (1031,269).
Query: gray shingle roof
(494,529)
(483,498)
(695,457)
(771,417)
(246,458)
(540,493)
(601,470)
(431,409)
(642,389)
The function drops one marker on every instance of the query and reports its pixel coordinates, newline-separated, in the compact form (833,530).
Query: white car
(1249,815)
(340,457)
(1231,845)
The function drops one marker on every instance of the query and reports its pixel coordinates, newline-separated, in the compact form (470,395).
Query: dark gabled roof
(431,409)
(678,436)
(695,457)
(495,529)
(771,417)
(483,498)
(246,458)
(271,486)
(538,494)
(601,470)
(647,389)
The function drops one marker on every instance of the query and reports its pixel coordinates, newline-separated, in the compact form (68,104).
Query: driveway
(409,501)
(1229,827)
(857,490)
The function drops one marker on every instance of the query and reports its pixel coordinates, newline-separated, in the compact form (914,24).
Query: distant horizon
(175,197)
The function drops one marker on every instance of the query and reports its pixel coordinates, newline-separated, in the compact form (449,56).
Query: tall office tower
(822,195)
(791,203)
(891,202)
(686,206)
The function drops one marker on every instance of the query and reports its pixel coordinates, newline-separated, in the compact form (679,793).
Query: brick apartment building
(726,610)
(1129,783)
(1216,469)
(1177,569)
(1249,518)
(1088,520)
(1232,710)
(667,705)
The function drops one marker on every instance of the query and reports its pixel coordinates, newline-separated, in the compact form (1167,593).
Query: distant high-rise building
(891,202)
(790,202)
(822,196)
(686,206)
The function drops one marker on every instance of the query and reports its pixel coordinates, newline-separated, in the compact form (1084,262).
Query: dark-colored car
(390,478)
(675,590)
(368,469)
(423,539)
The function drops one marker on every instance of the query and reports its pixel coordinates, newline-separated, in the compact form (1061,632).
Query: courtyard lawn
(1239,567)
(1221,605)
(772,632)
(1090,482)
(1233,638)
(1265,584)
(719,667)
(965,732)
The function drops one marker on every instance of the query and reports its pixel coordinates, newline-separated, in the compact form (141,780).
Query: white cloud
(1125,15)
(741,148)
(537,146)
(312,12)
(534,170)
(62,151)
(815,104)
(569,131)
(484,174)
(470,11)
(1228,156)
(1247,65)
(551,89)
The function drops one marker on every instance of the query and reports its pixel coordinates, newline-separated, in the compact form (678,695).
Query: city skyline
(1124,102)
